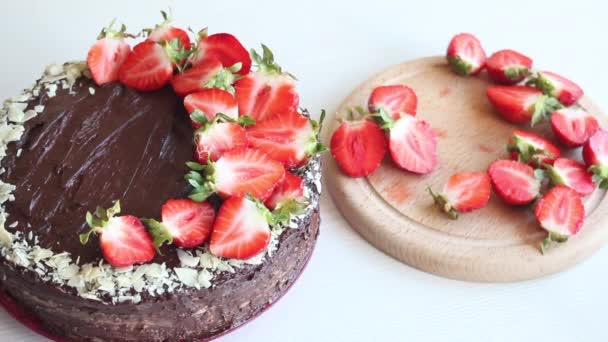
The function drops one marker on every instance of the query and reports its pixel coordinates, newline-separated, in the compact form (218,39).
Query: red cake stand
(33,323)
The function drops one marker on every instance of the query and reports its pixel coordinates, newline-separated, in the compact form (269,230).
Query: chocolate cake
(69,145)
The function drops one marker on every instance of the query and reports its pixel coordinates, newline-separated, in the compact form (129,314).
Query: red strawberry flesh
(413,145)
(124,241)
(464,192)
(148,67)
(465,54)
(533,149)
(396,100)
(573,127)
(225,48)
(560,212)
(514,181)
(508,66)
(292,187)
(211,101)
(241,229)
(189,223)
(218,138)
(358,147)
(571,174)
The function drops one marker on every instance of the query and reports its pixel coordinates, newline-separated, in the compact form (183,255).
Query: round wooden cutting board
(392,209)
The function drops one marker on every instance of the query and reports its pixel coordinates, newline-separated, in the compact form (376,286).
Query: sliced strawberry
(412,142)
(148,67)
(290,138)
(552,84)
(573,127)
(225,48)
(571,174)
(165,32)
(237,173)
(595,153)
(107,55)
(188,222)
(465,54)
(514,181)
(394,99)
(561,213)
(290,189)
(124,240)
(211,101)
(508,66)
(268,91)
(208,74)
(241,229)
(215,138)
(532,149)
(464,192)
(520,104)
(358,147)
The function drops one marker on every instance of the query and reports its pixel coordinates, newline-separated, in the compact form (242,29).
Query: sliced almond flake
(187,276)
(19,151)
(51,89)
(91,90)
(69,271)
(53,70)
(14,224)
(204,279)
(186,259)
(39,109)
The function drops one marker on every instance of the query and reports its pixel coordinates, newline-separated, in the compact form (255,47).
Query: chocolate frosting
(89,150)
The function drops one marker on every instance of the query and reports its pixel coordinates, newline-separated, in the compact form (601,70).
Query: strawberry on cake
(161,192)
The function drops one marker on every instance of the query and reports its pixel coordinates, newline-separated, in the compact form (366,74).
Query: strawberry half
(218,136)
(290,138)
(210,102)
(552,84)
(520,104)
(396,100)
(223,47)
(185,223)
(412,142)
(290,190)
(164,31)
(514,182)
(236,173)
(358,147)
(208,74)
(124,240)
(148,67)
(241,230)
(595,153)
(532,149)
(464,192)
(573,127)
(108,54)
(268,91)
(571,174)
(508,66)
(465,54)
(561,213)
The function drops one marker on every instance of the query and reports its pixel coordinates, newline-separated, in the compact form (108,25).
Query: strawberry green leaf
(160,234)
(460,66)
(195,166)
(517,72)
(245,121)
(199,116)
(442,202)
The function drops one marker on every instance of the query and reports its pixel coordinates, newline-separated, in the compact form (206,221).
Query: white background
(350,291)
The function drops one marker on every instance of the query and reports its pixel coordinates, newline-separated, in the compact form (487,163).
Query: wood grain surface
(391,208)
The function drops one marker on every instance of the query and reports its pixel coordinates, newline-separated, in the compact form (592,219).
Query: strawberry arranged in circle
(107,55)
(148,67)
(514,182)
(508,66)
(210,102)
(532,149)
(241,229)
(185,223)
(573,126)
(571,174)
(236,173)
(552,84)
(268,91)
(223,47)
(412,142)
(290,138)
(561,213)
(165,32)
(124,240)
(216,137)
(396,100)
(520,104)
(595,153)
(358,147)
(208,74)
(465,54)
(290,190)
(464,192)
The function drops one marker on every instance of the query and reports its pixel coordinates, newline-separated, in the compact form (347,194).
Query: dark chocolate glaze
(89,150)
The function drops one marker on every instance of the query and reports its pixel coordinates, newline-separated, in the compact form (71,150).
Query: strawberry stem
(160,233)
(98,220)
(266,63)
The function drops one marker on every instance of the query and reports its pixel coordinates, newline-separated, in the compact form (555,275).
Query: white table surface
(351,291)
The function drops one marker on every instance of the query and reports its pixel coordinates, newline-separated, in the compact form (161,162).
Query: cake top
(118,132)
